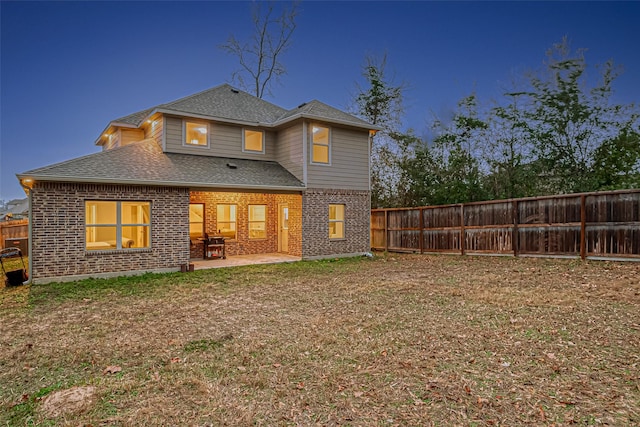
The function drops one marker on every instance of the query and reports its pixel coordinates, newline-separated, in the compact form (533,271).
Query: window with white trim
(227,221)
(336,221)
(320,137)
(196,133)
(117,225)
(257,221)
(253,141)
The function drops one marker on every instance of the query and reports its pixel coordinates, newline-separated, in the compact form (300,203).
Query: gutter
(74,179)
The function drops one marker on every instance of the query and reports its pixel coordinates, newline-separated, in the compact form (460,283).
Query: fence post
(515,234)
(386,231)
(421,222)
(462,232)
(583,226)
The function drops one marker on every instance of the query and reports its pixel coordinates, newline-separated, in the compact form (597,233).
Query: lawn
(396,340)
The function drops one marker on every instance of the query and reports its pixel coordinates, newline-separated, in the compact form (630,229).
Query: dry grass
(398,340)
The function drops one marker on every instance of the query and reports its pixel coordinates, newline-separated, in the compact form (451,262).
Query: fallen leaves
(112,370)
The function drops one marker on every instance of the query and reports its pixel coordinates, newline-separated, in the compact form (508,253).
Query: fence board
(603,224)
(13,229)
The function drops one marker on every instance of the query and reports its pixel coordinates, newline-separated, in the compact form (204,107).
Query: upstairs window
(257,221)
(196,134)
(117,225)
(336,221)
(253,141)
(227,221)
(320,137)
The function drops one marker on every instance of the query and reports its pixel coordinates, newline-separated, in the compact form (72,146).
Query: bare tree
(260,56)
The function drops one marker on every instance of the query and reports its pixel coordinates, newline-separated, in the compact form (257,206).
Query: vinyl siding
(127,136)
(224,141)
(349,163)
(113,141)
(289,150)
(154,129)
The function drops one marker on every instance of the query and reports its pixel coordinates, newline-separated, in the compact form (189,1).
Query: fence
(14,229)
(588,225)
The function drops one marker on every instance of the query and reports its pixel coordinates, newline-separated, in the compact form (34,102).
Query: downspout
(30,237)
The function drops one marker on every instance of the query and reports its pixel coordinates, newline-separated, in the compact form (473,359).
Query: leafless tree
(260,57)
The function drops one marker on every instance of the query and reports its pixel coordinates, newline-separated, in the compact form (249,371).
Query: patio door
(283,228)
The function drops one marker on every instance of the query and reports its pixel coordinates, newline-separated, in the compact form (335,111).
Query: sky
(68,68)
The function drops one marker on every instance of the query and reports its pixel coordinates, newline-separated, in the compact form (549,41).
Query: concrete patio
(238,260)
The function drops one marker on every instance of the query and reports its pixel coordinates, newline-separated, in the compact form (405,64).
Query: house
(15,209)
(220,162)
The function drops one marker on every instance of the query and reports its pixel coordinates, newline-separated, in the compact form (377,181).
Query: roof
(227,104)
(144,163)
(16,207)
(321,111)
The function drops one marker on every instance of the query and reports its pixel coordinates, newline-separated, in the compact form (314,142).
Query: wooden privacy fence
(586,225)
(13,229)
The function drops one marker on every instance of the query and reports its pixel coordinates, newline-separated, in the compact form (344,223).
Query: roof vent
(302,105)
(235,90)
(232,166)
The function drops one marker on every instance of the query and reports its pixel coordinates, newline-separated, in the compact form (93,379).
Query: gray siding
(224,141)
(155,129)
(349,168)
(289,150)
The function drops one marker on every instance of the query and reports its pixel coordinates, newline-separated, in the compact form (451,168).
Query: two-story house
(220,162)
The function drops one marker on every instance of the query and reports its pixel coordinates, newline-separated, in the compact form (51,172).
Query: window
(320,144)
(336,221)
(196,134)
(253,141)
(196,221)
(117,225)
(257,221)
(227,221)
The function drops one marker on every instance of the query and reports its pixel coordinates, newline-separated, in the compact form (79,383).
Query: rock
(74,400)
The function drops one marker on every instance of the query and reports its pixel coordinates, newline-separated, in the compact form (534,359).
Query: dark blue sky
(68,68)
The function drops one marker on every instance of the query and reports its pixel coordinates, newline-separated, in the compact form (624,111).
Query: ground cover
(394,340)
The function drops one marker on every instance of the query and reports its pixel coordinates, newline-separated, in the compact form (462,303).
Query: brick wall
(315,223)
(58,231)
(242,244)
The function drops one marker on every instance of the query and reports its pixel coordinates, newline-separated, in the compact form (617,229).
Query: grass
(397,340)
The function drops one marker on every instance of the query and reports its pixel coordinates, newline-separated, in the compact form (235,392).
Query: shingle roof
(320,110)
(144,163)
(226,103)
(222,102)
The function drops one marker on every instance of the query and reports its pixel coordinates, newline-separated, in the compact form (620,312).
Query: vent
(235,90)
(232,166)
(302,105)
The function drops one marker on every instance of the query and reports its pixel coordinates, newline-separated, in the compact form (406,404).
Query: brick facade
(58,227)
(58,230)
(242,244)
(315,223)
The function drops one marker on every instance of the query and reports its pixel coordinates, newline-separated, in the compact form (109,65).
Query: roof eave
(88,180)
(99,141)
(214,118)
(328,120)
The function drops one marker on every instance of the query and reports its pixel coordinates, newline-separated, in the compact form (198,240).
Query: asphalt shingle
(144,163)
(227,103)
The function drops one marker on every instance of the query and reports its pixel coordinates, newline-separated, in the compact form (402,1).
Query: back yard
(394,340)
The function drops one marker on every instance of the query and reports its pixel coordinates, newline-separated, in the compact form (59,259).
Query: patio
(238,260)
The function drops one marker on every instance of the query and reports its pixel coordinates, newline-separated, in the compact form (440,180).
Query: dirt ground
(398,340)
